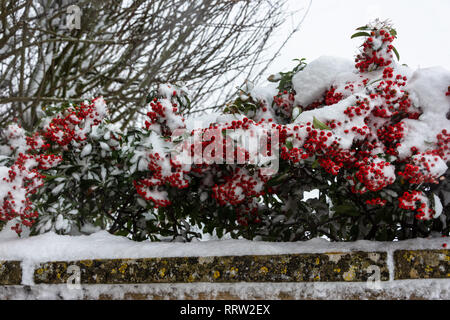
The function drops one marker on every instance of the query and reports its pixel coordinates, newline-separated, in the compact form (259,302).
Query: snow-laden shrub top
(370,138)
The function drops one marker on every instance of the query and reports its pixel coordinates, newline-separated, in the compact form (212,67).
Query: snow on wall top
(102,245)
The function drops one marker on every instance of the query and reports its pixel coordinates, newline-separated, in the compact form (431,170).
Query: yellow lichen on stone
(87,263)
(233,271)
(123,268)
(350,274)
(284,259)
(409,257)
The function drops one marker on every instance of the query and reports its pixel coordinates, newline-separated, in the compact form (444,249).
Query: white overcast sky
(423,28)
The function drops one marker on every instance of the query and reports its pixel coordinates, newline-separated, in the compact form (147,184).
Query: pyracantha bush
(369,140)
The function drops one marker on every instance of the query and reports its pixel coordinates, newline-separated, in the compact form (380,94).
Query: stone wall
(338,269)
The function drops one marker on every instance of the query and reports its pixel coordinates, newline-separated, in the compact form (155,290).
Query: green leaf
(396,53)
(315,164)
(375,81)
(393,32)
(345,209)
(360,34)
(122,233)
(289,144)
(277,180)
(50,177)
(363,28)
(317,124)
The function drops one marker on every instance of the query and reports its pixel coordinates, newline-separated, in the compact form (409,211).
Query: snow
(58,188)
(104,146)
(203,121)
(102,245)
(438,208)
(437,168)
(4,188)
(318,76)
(427,89)
(16,137)
(172,120)
(166,90)
(336,112)
(87,149)
(264,93)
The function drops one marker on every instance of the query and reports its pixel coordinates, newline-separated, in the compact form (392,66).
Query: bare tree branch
(124,48)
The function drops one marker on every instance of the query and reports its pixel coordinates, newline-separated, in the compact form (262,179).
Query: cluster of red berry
(421,170)
(333,97)
(27,173)
(66,127)
(284,102)
(376,52)
(416,201)
(376,202)
(375,176)
(150,188)
(22,181)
